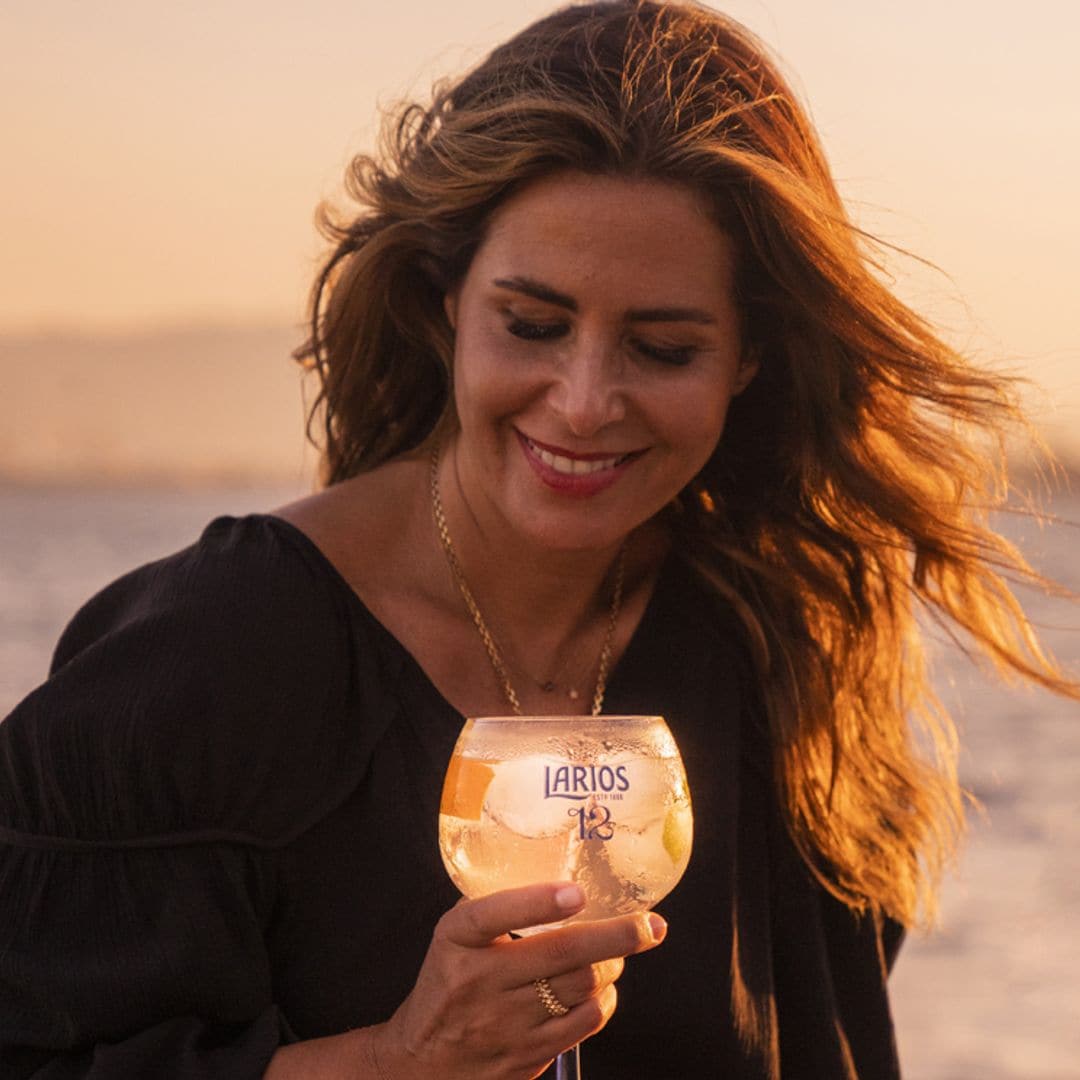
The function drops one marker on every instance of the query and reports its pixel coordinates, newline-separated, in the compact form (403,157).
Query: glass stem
(568,1064)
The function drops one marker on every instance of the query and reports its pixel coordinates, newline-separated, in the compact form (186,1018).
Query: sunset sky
(163,160)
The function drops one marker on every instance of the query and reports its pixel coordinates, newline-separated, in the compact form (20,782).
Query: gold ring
(548,999)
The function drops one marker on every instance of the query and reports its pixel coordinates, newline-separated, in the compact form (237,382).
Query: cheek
(694,415)
(489,375)
(472,368)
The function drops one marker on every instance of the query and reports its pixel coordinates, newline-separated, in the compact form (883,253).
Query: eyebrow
(539,291)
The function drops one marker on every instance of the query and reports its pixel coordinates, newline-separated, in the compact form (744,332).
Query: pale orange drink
(602,801)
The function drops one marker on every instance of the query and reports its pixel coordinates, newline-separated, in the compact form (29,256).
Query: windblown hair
(851,483)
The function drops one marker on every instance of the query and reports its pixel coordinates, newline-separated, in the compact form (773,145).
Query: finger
(580,945)
(573,988)
(582,1021)
(475,923)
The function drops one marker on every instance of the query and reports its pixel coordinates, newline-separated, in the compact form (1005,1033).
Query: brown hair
(845,491)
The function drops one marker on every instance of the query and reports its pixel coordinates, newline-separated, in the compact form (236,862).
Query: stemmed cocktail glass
(602,801)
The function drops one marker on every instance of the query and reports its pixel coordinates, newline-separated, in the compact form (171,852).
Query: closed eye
(535,331)
(678,356)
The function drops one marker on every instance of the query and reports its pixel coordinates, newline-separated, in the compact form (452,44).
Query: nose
(587,391)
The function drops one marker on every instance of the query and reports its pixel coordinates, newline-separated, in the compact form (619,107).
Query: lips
(581,465)
(578,474)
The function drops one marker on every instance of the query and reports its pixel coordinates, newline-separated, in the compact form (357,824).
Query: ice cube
(653,784)
(519,797)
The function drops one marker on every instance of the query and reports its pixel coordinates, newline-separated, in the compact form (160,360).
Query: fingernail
(658,927)
(570,897)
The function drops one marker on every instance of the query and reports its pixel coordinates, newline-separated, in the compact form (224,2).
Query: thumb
(475,923)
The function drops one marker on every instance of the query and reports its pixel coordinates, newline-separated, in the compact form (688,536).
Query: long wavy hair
(851,484)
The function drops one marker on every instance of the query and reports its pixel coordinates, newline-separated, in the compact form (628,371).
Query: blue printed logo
(581,781)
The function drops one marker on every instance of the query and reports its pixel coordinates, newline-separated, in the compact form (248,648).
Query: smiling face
(597,350)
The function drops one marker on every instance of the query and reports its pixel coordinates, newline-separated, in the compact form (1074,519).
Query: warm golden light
(162,169)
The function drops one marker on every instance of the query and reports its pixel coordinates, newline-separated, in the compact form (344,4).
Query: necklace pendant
(572,694)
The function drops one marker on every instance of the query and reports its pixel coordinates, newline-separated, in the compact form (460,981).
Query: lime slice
(678,832)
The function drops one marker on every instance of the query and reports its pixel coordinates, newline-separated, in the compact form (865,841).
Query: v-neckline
(638,643)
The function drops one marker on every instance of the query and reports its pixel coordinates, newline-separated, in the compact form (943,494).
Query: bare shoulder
(371,527)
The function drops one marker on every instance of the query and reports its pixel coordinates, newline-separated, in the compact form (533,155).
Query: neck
(546,624)
(530,592)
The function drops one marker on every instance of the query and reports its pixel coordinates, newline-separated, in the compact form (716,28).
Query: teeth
(573,466)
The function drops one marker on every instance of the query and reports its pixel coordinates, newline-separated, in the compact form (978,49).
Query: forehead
(576,228)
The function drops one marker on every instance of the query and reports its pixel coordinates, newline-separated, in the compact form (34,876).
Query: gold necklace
(478,619)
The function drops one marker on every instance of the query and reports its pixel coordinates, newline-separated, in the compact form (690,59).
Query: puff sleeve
(193,722)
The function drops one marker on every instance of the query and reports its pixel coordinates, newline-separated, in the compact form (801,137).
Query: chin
(574,533)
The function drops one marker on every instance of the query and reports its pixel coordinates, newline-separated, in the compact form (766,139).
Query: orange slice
(466,783)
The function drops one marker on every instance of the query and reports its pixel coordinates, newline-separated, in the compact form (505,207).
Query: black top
(218,832)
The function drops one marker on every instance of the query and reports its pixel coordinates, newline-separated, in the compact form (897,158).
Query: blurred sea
(993,994)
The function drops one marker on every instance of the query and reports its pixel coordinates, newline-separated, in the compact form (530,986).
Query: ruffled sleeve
(196,719)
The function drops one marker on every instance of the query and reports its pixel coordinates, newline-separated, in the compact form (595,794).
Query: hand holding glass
(602,801)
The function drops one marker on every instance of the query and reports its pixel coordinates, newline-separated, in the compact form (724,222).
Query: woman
(617,415)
